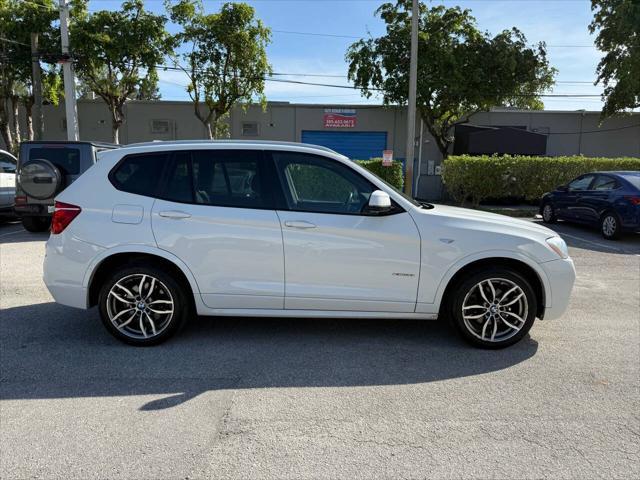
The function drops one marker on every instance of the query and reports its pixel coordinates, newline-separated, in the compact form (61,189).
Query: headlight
(559,246)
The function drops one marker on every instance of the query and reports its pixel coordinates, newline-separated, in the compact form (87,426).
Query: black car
(609,200)
(45,168)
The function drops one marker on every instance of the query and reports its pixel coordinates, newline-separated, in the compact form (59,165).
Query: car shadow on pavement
(51,351)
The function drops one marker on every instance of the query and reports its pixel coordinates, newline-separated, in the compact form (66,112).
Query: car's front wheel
(142,305)
(494,308)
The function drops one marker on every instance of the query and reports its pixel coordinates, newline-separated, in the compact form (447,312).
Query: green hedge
(476,178)
(392,174)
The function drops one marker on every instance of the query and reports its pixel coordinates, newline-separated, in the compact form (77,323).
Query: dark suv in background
(45,168)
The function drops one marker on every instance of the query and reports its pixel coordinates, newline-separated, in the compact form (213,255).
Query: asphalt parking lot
(243,398)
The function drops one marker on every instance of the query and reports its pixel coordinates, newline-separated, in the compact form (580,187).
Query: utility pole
(67,70)
(38,123)
(411,107)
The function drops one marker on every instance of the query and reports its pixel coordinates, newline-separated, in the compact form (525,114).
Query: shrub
(392,174)
(476,178)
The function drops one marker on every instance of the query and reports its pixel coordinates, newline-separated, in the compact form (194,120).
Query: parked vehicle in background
(7,184)
(154,233)
(609,200)
(45,168)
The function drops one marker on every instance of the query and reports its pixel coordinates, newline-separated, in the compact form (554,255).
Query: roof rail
(230,142)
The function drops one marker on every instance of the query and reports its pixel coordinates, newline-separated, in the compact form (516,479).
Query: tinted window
(315,184)
(225,178)
(604,182)
(7,164)
(66,159)
(139,173)
(179,186)
(581,183)
(228,178)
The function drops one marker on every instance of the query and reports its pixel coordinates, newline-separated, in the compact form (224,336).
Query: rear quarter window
(139,174)
(633,180)
(66,159)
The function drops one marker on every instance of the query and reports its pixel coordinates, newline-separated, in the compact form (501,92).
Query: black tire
(549,213)
(610,226)
(502,278)
(36,224)
(182,306)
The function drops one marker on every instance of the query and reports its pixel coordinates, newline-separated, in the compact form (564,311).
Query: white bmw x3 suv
(156,232)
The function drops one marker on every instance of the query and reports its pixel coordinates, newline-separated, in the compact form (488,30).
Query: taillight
(635,200)
(63,215)
(20,199)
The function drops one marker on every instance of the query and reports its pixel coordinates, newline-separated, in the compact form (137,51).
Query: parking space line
(11,233)
(598,244)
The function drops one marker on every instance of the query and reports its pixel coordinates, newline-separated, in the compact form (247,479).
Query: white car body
(260,262)
(7,181)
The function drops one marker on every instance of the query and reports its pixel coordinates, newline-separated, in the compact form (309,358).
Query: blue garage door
(355,145)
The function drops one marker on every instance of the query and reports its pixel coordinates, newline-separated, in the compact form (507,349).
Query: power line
(603,130)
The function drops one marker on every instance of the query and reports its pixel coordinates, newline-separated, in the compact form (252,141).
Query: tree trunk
(5,131)
(117,117)
(15,112)
(208,130)
(28,109)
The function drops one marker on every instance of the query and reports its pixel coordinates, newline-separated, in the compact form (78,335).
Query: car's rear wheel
(494,308)
(36,224)
(548,213)
(610,226)
(142,305)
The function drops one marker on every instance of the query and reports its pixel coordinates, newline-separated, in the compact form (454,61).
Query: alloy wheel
(140,306)
(495,309)
(547,212)
(609,226)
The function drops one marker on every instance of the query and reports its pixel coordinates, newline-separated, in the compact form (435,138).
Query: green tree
(226,59)
(461,70)
(18,20)
(116,54)
(618,25)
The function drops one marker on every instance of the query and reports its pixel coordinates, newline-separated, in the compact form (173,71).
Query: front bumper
(561,274)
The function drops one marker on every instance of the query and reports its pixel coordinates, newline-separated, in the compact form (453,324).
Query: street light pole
(411,107)
(67,70)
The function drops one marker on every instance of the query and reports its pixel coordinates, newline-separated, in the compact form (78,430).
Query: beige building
(359,131)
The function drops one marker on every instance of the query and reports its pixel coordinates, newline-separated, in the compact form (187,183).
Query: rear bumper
(561,274)
(65,264)
(32,210)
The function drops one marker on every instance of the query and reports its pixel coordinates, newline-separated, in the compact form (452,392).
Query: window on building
(250,129)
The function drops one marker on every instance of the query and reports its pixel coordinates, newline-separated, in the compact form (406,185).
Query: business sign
(387,158)
(340,117)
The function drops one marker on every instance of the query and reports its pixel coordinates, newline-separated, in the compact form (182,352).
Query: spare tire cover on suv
(40,179)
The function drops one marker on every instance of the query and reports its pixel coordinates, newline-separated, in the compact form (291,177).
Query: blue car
(609,200)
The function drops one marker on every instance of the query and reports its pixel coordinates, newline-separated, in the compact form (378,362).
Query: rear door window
(604,182)
(66,159)
(139,174)
(223,178)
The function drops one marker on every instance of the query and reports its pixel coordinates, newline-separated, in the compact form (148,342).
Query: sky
(310,37)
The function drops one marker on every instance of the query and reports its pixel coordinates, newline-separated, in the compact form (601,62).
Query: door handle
(175,214)
(299,224)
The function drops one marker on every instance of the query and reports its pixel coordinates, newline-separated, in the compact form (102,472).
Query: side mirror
(562,188)
(379,201)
